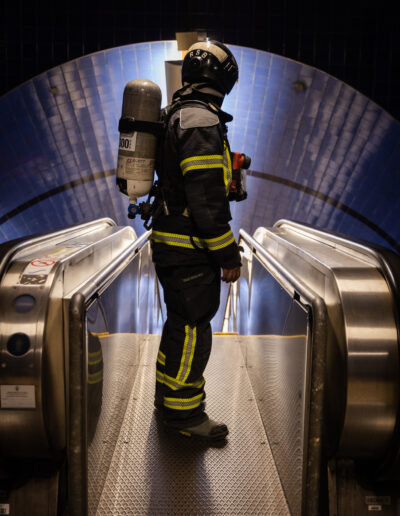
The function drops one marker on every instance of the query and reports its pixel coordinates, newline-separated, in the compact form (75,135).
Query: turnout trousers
(192,296)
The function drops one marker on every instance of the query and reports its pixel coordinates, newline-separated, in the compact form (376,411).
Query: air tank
(138,141)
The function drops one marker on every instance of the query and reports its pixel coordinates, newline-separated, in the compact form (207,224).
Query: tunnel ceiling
(321,152)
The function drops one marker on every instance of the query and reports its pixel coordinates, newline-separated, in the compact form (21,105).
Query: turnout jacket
(195,174)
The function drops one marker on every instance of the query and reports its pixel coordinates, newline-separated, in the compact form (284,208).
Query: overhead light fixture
(300,86)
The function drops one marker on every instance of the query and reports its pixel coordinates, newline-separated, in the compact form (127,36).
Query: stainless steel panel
(119,318)
(153,473)
(276,350)
(363,357)
(28,370)
(46,271)
(120,355)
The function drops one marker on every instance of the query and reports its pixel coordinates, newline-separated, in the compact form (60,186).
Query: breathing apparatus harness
(156,202)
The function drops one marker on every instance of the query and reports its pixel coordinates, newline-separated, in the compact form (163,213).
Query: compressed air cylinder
(137,148)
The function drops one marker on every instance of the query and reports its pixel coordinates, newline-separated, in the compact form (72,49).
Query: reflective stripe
(95,377)
(187,354)
(218,52)
(95,357)
(175,385)
(161,358)
(94,362)
(159,376)
(176,240)
(200,162)
(183,403)
(227,168)
(212,244)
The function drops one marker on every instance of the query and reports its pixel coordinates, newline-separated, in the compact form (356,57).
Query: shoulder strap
(179,104)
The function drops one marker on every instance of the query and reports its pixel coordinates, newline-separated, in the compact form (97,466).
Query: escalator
(304,371)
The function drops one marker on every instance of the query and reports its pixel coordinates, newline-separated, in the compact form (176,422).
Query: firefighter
(192,241)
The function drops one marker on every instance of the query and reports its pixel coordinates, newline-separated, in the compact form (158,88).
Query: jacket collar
(205,93)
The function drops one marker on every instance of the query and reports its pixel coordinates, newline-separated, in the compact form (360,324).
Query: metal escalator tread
(154,473)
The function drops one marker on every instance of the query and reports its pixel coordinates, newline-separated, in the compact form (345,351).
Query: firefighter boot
(208,430)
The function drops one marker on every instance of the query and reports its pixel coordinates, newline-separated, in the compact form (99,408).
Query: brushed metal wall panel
(276,348)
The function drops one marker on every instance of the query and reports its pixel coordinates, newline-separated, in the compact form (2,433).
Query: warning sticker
(139,169)
(17,396)
(378,500)
(36,272)
(127,142)
(33,279)
(4,508)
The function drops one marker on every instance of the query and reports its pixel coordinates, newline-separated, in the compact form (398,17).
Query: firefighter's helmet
(210,61)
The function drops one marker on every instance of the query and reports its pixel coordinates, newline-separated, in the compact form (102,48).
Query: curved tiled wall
(322,153)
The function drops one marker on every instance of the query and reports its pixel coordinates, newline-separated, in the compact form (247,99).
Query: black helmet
(212,62)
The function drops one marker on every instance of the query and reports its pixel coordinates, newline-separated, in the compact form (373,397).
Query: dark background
(358,41)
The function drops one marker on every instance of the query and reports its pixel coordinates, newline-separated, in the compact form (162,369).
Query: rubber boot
(208,430)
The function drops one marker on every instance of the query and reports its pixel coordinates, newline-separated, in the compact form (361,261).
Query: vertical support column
(77,438)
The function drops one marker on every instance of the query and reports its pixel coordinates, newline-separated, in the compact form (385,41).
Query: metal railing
(315,305)
(78,366)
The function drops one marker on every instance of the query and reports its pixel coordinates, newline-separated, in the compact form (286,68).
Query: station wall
(322,153)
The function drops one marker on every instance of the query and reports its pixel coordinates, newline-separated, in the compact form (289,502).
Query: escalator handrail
(374,253)
(102,279)
(315,459)
(289,282)
(80,300)
(25,242)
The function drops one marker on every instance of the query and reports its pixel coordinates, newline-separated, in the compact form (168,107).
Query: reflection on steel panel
(276,354)
(121,361)
(154,473)
(362,350)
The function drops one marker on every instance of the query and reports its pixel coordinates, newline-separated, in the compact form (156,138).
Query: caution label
(36,272)
(139,169)
(127,142)
(17,396)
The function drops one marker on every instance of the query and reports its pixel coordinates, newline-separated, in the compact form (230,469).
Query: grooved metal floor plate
(121,357)
(153,473)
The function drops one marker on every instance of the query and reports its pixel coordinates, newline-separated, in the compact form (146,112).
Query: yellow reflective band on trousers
(201,162)
(183,403)
(175,385)
(95,377)
(187,353)
(212,244)
(94,358)
(161,358)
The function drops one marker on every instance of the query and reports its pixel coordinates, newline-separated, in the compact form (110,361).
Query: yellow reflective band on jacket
(227,168)
(212,244)
(201,162)
(175,385)
(175,239)
(161,358)
(183,403)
